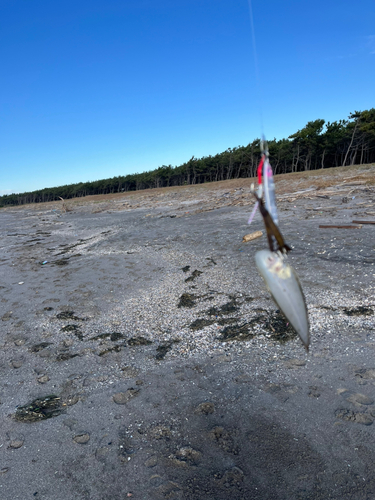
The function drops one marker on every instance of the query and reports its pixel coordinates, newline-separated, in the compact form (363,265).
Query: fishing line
(256,67)
(267,187)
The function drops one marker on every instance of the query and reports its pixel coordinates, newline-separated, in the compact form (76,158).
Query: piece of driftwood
(64,207)
(363,221)
(336,226)
(252,236)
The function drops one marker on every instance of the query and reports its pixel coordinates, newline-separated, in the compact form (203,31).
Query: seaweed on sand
(40,409)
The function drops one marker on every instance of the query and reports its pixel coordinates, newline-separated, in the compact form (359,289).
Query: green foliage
(317,145)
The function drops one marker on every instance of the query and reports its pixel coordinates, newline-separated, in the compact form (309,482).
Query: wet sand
(142,357)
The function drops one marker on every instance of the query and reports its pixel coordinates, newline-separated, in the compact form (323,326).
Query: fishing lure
(283,283)
(280,277)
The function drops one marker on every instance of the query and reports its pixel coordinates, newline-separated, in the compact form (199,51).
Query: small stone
(16,363)
(139,382)
(4,470)
(82,438)
(15,444)
(43,379)
(151,462)
(68,342)
(19,342)
(121,398)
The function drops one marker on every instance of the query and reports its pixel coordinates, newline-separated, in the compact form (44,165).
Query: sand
(139,325)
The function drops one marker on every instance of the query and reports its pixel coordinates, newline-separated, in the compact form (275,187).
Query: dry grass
(286,184)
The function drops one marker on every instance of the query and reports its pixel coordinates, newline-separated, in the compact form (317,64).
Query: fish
(283,284)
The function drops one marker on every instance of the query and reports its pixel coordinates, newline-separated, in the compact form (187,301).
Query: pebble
(43,379)
(82,438)
(16,363)
(19,342)
(15,444)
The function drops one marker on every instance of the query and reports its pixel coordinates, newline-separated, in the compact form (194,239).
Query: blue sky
(92,89)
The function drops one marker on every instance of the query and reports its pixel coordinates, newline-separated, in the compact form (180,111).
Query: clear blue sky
(92,89)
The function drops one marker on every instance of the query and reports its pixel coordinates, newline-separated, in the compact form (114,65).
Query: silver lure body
(283,283)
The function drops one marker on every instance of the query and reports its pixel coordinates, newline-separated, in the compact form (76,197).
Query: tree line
(319,144)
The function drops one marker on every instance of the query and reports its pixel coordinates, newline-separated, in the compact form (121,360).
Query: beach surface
(142,357)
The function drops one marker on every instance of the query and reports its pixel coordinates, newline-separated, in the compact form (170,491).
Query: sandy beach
(142,357)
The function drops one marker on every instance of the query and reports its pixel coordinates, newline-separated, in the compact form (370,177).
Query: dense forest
(317,145)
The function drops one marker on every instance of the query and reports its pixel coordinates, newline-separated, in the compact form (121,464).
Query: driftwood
(329,226)
(64,207)
(363,221)
(252,236)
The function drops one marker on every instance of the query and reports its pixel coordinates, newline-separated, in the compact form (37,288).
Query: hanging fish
(280,277)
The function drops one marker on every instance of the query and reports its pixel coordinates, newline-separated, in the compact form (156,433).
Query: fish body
(284,286)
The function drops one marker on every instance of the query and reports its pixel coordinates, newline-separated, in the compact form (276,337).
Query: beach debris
(193,275)
(358,311)
(40,409)
(64,206)
(39,347)
(187,300)
(21,282)
(336,226)
(164,348)
(68,315)
(363,221)
(252,236)
(137,341)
